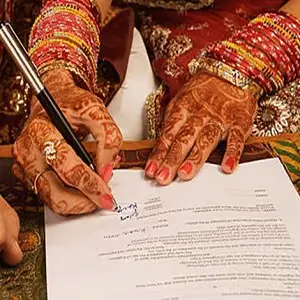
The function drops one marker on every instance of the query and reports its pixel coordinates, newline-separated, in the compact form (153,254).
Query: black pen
(23,61)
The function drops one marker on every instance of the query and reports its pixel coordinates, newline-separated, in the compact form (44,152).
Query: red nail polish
(106,202)
(187,168)
(151,168)
(230,162)
(106,172)
(163,174)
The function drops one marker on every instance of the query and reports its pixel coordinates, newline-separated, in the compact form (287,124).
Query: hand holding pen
(48,155)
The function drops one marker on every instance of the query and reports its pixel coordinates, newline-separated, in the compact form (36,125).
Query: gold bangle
(226,72)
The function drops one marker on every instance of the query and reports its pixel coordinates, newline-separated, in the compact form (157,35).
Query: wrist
(56,81)
(56,43)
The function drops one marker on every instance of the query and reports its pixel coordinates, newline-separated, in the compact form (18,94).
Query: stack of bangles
(67,35)
(260,58)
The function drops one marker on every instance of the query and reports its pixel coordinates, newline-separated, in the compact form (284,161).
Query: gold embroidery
(162,47)
(158,40)
(29,241)
(153,108)
(180,5)
(15,96)
(172,69)
(107,81)
(179,45)
(199,26)
(176,47)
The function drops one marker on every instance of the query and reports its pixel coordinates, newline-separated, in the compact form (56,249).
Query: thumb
(12,253)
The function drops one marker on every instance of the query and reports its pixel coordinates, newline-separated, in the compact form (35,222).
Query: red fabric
(249,8)
(209,25)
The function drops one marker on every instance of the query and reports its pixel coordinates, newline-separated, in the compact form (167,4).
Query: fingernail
(106,172)
(107,202)
(151,168)
(186,168)
(230,162)
(163,174)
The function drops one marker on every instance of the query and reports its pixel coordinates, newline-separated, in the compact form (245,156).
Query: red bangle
(266,51)
(67,34)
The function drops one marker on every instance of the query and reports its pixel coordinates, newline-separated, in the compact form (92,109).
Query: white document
(215,237)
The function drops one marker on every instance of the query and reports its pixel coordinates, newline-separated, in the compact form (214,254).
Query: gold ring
(34,187)
(50,150)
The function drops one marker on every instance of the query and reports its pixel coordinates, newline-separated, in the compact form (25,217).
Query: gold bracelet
(226,72)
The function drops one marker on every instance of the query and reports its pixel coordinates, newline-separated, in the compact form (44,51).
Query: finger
(235,145)
(12,254)
(10,251)
(74,173)
(171,127)
(107,136)
(57,196)
(178,151)
(68,166)
(61,199)
(206,142)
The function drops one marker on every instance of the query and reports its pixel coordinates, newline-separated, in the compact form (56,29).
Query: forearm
(66,35)
(292,7)
(262,57)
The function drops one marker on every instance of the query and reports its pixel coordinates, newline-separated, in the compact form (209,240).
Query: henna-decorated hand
(203,113)
(10,252)
(70,187)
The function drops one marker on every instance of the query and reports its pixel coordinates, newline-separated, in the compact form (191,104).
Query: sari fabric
(175,39)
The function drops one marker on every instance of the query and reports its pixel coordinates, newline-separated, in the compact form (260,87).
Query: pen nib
(116,206)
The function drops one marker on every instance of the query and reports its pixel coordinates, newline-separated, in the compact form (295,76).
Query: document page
(215,237)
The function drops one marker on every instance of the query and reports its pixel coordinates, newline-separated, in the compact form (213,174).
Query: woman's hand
(70,187)
(10,252)
(203,113)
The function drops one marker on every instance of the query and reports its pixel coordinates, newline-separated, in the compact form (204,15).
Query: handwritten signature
(127,211)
